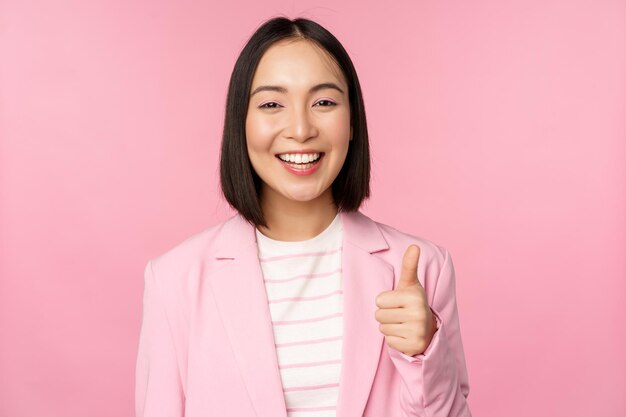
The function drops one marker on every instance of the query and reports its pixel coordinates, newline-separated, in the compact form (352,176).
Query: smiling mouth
(301,161)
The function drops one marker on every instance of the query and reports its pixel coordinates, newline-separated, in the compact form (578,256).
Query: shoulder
(188,255)
(433,256)
(400,240)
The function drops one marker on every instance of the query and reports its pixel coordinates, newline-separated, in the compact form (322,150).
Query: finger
(398,343)
(401,315)
(392,315)
(399,299)
(408,274)
(390,299)
(392,329)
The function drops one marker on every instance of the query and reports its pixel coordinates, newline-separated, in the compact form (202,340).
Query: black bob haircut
(240,184)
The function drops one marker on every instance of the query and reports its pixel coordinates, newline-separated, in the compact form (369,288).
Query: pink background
(498,130)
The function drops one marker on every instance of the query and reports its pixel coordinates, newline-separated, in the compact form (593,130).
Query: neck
(292,221)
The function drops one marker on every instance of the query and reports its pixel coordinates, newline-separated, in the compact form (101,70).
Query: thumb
(408,275)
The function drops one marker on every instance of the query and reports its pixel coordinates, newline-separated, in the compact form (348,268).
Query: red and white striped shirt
(304,291)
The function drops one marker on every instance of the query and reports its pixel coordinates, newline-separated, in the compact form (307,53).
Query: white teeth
(299,158)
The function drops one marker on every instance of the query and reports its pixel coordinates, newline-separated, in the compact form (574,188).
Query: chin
(302,195)
(301,198)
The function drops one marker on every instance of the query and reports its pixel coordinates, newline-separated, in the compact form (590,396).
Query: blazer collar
(239,289)
(359,230)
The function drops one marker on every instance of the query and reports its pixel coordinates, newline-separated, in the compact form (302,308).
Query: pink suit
(206,345)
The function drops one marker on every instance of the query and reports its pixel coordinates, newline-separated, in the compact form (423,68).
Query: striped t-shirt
(304,291)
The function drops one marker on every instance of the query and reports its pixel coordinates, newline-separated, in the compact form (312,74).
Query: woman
(299,305)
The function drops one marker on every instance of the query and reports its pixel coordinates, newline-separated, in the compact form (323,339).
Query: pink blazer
(206,345)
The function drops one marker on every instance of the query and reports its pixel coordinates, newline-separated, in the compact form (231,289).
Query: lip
(302,172)
(300,151)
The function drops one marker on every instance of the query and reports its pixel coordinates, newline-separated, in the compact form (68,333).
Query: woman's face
(298,122)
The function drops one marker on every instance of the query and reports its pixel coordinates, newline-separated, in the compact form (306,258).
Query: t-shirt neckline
(320,239)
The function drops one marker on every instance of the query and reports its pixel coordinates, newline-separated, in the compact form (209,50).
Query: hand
(404,315)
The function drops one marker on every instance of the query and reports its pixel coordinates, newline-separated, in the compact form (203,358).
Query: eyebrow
(283,90)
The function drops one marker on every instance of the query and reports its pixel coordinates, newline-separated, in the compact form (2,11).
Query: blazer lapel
(364,277)
(242,302)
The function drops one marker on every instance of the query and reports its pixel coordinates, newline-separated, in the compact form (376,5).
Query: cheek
(340,128)
(259,133)
(340,122)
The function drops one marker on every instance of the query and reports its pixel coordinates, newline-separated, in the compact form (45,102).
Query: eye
(329,103)
(269,105)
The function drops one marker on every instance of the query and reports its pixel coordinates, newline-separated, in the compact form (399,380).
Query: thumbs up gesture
(404,315)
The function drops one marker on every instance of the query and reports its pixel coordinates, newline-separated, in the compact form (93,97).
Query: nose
(300,124)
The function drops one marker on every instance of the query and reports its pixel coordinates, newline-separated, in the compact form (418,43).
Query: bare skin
(297,207)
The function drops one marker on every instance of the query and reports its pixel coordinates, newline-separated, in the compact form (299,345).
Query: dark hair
(240,184)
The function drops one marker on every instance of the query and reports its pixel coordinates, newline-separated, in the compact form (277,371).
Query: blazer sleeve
(436,381)
(158,387)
